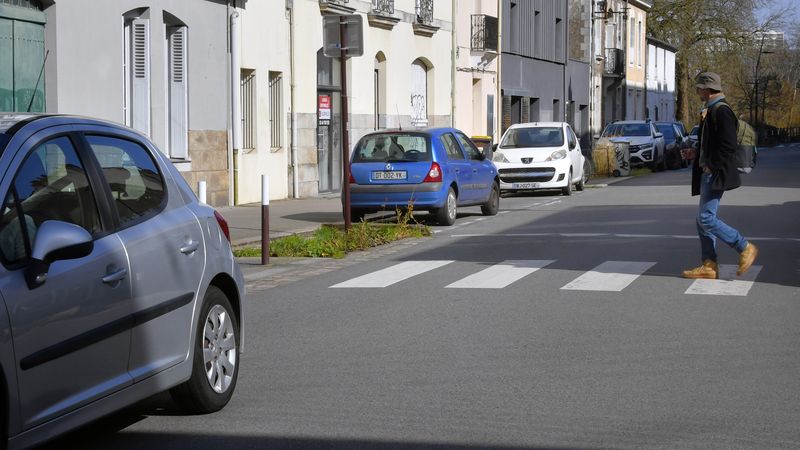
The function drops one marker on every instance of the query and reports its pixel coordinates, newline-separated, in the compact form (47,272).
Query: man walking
(715,171)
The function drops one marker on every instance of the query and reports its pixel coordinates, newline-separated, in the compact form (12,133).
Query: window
(419,94)
(248,99)
(560,37)
(178,93)
(137,74)
(469,146)
(393,147)
(533,137)
(639,53)
(557,111)
(451,147)
(632,38)
(50,185)
(275,110)
(132,176)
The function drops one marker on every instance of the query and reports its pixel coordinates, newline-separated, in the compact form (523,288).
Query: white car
(541,155)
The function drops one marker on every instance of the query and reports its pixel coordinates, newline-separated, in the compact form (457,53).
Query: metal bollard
(201,192)
(264,219)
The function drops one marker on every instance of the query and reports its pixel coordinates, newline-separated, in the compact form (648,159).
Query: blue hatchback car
(435,169)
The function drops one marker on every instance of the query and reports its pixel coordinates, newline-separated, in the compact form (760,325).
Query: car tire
(491,207)
(197,395)
(663,166)
(568,189)
(446,215)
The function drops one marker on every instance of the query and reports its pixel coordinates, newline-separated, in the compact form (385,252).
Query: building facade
(476,104)
(157,66)
(661,81)
(624,89)
(262,136)
(544,77)
(403,78)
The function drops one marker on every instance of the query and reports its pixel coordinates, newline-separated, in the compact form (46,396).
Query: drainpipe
(453,53)
(292,123)
(236,112)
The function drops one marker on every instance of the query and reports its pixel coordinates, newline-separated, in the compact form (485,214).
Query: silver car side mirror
(56,241)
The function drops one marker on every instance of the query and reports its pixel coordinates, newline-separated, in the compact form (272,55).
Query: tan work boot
(709,270)
(746,258)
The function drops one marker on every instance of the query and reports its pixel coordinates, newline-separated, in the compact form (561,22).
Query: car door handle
(190,248)
(115,276)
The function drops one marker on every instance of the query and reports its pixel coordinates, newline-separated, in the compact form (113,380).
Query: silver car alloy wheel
(451,205)
(219,349)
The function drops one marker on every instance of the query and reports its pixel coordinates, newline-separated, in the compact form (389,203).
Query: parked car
(435,169)
(693,136)
(116,282)
(674,140)
(647,146)
(542,155)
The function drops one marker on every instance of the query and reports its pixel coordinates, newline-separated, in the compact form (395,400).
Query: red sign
(324,109)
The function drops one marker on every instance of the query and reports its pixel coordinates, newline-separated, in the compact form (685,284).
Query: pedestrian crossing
(610,276)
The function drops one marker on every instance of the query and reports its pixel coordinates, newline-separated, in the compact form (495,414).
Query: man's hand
(688,153)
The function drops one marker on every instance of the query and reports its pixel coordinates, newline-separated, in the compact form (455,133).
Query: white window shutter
(178,94)
(140,75)
(419,95)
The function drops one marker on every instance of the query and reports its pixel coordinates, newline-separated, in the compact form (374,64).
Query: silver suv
(647,145)
(115,282)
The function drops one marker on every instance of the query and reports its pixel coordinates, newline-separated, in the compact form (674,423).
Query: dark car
(435,170)
(674,140)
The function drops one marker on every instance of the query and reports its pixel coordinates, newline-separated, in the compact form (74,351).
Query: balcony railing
(383,7)
(614,62)
(425,12)
(336,2)
(484,33)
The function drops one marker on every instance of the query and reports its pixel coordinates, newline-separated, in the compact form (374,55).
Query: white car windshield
(533,137)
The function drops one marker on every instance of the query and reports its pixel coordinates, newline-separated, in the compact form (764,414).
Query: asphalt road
(577,333)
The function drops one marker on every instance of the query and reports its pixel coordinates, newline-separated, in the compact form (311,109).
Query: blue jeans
(709,227)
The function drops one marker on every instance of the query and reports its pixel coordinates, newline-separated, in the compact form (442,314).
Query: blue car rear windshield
(393,147)
(533,137)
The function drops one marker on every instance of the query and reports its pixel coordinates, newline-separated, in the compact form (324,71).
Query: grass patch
(331,241)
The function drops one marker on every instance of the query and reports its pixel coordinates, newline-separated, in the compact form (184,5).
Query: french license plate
(525,185)
(389,175)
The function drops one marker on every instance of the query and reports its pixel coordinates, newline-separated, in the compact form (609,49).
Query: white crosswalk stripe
(392,275)
(728,284)
(500,275)
(611,276)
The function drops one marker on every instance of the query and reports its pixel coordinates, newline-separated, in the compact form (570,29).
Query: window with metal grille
(177,106)
(276,110)
(424,11)
(248,99)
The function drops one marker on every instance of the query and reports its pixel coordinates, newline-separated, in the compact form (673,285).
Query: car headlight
(499,157)
(556,155)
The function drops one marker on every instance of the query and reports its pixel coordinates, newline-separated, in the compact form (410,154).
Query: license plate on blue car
(389,175)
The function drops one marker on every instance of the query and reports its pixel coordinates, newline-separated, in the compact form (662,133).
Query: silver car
(116,282)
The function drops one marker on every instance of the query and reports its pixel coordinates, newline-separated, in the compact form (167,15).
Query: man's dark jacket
(718,139)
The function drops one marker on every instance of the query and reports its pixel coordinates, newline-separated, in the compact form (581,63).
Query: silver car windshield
(533,137)
(393,147)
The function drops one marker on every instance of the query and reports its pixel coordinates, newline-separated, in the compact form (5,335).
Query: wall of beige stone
(208,150)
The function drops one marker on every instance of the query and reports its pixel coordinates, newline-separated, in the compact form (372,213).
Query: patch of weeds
(331,241)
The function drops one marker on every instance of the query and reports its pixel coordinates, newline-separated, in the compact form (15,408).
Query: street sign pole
(345,134)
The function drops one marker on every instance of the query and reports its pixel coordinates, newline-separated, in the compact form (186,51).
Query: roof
(663,44)
(8,120)
(538,124)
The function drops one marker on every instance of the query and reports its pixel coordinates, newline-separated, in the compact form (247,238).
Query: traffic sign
(343,36)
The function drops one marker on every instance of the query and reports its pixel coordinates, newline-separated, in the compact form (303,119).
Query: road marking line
(624,236)
(391,275)
(500,275)
(611,276)
(728,284)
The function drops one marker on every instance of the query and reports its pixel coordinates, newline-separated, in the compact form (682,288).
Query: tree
(707,34)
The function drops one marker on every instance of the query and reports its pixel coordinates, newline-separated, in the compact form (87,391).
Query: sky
(778,4)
